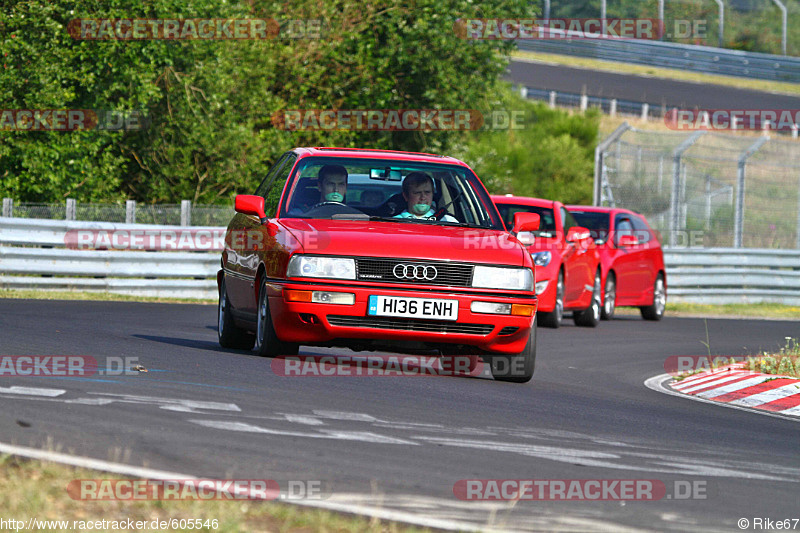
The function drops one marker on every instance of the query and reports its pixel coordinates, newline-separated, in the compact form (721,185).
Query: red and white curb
(733,386)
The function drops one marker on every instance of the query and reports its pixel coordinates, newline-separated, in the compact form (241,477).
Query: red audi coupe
(632,260)
(568,276)
(376,249)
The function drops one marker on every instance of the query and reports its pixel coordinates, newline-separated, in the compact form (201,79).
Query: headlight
(542,259)
(541,286)
(520,279)
(309,266)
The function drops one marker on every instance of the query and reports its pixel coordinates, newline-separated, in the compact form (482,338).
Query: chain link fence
(184,214)
(705,189)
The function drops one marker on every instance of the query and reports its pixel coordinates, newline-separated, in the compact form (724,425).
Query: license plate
(413,307)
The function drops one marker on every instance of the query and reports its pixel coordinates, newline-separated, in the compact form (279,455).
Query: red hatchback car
(568,276)
(374,249)
(632,259)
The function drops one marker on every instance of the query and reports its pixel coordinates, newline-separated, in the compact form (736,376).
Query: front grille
(448,274)
(409,325)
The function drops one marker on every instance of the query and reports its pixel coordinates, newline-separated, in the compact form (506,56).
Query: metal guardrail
(731,275)
(33,256)
(674,55)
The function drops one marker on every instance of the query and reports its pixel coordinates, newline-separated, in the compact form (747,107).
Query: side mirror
(525,222)
(248,204)
(526,237)
(627,240)
(578,234)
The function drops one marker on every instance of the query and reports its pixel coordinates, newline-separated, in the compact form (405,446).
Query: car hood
(407,240)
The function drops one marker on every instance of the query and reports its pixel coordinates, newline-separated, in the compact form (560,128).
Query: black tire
(267,342)
(656,310)
(590,317)
(609,298)
(517,368)
(553,318)
(230,336)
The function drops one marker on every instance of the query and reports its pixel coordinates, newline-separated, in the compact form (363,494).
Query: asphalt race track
(401,443)
(672,93)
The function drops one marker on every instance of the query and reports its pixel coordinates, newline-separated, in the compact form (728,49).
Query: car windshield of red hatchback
(376,189)
(596,223)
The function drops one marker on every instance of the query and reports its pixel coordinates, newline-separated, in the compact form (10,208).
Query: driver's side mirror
(627,240)
(525,222)
(248,204)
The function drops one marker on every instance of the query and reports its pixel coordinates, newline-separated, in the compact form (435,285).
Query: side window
(267,181)
(622,226)
(642,231)
(569,220)
(275,189)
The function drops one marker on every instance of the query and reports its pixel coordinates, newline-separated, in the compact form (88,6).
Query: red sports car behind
(568,276)
(632,259)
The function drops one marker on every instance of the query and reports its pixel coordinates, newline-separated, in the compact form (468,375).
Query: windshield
(390,190)
(596,223)
(547,221)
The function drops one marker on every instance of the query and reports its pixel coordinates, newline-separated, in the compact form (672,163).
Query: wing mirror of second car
(579,235)
(627,240)
(525,222)
(248,204)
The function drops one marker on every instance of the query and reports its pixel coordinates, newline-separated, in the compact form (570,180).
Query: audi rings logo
(418,272)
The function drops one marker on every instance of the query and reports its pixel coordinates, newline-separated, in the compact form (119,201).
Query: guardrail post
(675,216)
(70,209)
(738,217)
(721,21)
(661,29)
(546,9)
(186,212)
(130,211)
(612,110)
(794,129)
(552,99)
(603,17)
(8,207)
(584,102)
(645,112)
(523,92)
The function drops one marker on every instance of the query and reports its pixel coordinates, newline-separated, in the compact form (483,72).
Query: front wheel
(229,335)
(267,342)
(554,317)
(590,317)
(656,311)
(517,368)
(609,298)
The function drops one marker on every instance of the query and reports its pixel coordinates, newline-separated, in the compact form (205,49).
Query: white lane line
(702,379)
(767,396)
(32,391)
(379,512)
(303,419)
(739,385)
(363,436)
(658,384)
(712,383)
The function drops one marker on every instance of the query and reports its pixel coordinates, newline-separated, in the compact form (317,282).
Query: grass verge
(36,489)
(95,296)
(791,89)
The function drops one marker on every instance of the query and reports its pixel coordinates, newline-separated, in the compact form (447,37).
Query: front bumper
(320,323)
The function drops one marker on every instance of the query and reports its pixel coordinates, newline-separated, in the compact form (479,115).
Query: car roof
(522,200)
(600,209)
(368,153)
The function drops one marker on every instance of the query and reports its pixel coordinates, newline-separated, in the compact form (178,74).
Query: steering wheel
(328,209)
(327,202)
